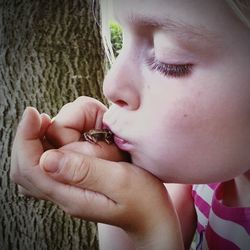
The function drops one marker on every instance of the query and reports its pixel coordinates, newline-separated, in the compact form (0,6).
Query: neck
(236,192)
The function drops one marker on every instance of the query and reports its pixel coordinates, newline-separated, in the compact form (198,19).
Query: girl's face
(180,89)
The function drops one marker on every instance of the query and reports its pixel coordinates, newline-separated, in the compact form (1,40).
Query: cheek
(183,116)
(175,112)
(172,133)
(209,139)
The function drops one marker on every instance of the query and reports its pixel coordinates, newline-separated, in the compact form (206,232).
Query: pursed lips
(120,142)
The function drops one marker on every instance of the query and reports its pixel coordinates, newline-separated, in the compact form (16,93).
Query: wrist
(161,235)
(158,227)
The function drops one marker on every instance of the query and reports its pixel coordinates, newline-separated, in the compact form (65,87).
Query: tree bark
(50,53)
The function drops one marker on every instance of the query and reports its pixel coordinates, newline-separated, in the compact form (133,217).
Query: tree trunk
(50,53)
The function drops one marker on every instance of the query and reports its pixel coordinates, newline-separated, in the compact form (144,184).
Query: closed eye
(170,70)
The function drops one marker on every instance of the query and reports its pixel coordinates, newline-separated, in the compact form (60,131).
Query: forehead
(211,16)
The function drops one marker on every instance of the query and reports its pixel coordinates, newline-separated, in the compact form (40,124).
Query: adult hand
(73,119)
(91,188)
(35,131)
(116,193)
(27,149)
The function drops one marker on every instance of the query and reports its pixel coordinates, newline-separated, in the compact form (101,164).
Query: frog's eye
(110,136)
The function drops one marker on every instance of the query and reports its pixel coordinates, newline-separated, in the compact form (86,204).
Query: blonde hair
(107,15)
(240,7)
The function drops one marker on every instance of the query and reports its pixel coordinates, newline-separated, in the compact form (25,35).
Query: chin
(177,173)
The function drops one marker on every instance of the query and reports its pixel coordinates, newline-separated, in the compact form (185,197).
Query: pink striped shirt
(219,226)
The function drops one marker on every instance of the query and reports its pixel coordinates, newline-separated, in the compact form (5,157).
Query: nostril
(121,103)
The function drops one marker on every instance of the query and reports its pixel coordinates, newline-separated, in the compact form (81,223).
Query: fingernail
(44,115)
(23,118)
(53,119)
(24,114)
(50,161)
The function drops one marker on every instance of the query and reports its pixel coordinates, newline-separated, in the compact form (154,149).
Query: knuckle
(66,106)
(123,177)
(15,175)
(48,193)
(82,99)
(90,102)
(82,171)
(64,109)
(66,209)
(23,192)
(74,169)
(69,210)
(69,207)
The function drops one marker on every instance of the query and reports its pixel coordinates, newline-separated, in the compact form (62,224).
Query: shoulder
(223,226)
(204,193)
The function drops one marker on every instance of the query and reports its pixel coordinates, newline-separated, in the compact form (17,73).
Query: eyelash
(170,70)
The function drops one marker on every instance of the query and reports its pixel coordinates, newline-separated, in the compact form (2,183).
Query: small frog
(95,135)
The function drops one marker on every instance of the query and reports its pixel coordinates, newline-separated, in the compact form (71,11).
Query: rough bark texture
(50,53)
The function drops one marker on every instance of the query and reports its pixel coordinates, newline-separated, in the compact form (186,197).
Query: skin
(206,112)
(91,181)
(198,126)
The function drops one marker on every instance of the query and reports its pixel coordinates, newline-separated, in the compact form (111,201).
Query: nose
(122,83)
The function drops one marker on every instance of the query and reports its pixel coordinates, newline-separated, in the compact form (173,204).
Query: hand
(127,206)
(73,119)
(116,193)
(27,149)
(30,143)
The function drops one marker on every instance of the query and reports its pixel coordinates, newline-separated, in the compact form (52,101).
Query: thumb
(88,184)
(103,191)
(81,170)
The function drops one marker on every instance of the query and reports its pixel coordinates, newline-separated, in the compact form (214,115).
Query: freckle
(185,115)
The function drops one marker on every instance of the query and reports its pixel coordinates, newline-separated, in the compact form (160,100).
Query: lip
(120,142)
(105,126)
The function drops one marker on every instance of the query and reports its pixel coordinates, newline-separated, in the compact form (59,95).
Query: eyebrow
(182,30)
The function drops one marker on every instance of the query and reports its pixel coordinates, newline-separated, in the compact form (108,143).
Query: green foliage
(116,37)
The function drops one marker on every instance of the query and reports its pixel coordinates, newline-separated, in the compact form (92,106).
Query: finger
(101,150)
(27,147)
(84,203)
(81,115)
(100,190)
(27,150)
(46,144)
(36,183)
(87,172)
(30,125)
(45,122)
(25,192)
